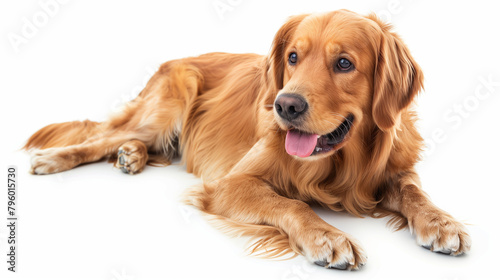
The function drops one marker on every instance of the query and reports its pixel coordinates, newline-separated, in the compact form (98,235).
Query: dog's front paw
(440,232)
(50,161)
(332,249)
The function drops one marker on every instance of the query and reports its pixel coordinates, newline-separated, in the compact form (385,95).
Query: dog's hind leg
(150,123)
(58,159)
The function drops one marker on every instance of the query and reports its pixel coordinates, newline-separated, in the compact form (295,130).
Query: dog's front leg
(434,228)
(248,199)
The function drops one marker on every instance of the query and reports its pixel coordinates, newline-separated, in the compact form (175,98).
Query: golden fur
(217,112)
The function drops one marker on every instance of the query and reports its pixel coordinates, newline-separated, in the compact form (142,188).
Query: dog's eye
(344,65)
(292,58)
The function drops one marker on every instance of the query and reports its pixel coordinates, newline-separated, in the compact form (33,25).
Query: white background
(93,222)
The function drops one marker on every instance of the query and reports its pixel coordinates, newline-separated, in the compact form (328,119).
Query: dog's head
(336,73)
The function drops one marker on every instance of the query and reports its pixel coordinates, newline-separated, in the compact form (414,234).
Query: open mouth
(303,144)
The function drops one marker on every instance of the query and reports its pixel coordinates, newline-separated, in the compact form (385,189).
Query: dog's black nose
(290,106)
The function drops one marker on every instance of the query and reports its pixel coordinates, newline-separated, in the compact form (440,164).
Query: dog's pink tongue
(299,143)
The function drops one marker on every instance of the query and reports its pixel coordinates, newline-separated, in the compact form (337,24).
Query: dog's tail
(265,241)
(62,134)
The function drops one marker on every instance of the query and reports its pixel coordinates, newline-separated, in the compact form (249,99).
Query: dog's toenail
(121,160)
(321,263)
(124,169)
(341,266)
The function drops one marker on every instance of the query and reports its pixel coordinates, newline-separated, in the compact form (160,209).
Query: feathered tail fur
(62,134)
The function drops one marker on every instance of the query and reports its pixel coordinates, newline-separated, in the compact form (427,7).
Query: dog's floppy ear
(276,60)
(398,78)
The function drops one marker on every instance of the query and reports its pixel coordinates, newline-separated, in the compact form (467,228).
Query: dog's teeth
(319,136)
(318,149)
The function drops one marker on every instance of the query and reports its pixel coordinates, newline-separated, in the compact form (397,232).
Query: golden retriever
(324,119)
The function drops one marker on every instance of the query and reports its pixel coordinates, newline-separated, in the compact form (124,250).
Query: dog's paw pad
(132,157)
